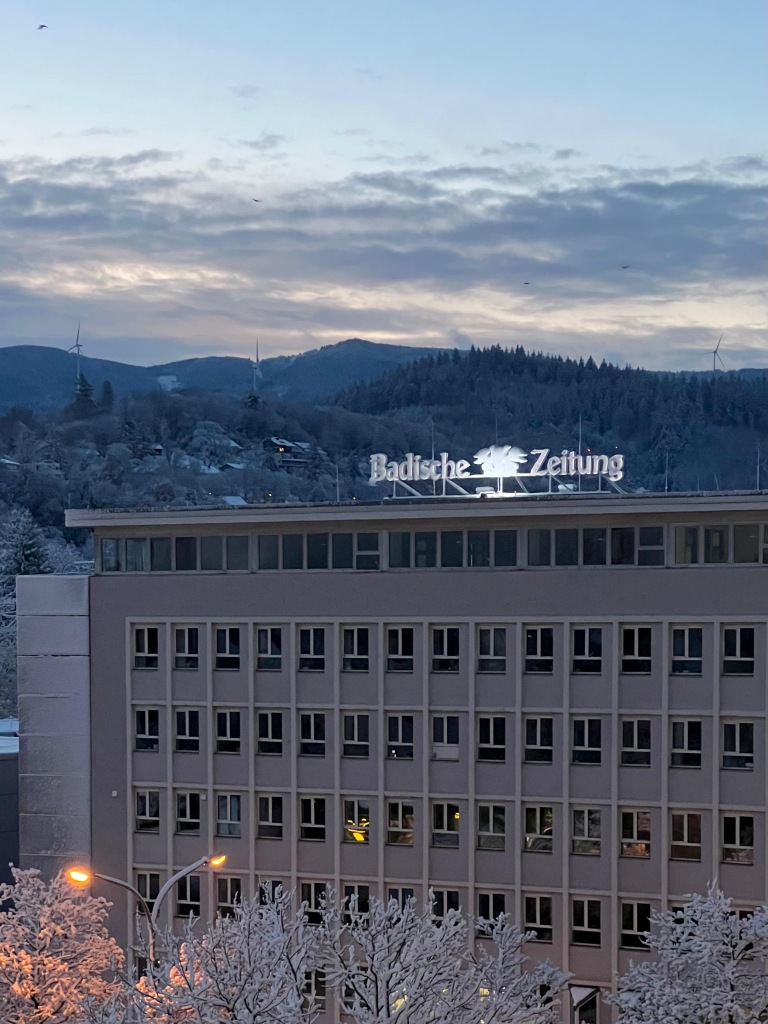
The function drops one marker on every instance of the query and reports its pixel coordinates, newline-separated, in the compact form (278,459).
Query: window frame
(312,733)
(538,828)
(489,835)
(186,730)
(687,664)
(186,821)
(684,824)
(585,640)
(582,843)
(228,740)
(399,832)
(636,754)
(311,829)
(188,890)
(494,748)
(537,916)
(737,852)
(273,720)
(269,648)
(270,815)
(146,648)
(446,648)
(635,662)
(399,660)
(227,643)
(742,663)
(537,661)
(399,726)
(586,752)
(445,749)
(537,730)
(311,648)
(735,753)
(146,735)
(586,921)
(229,823)
(635,832)
(146,798)
(357,658)
(356,819)
(445,818)
(683,752)
(494,640)
(356,734)
(230,887)
(636,913)
(186,648)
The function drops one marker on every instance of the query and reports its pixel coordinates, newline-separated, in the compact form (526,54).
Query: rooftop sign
(498,461)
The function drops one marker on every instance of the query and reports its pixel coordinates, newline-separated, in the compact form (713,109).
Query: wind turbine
(716,356)
(77,348)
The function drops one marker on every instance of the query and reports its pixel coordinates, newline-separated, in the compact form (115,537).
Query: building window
(738,838)
(491,826)
(112,554)
(269,649)
(186,554)
(739,651)
(270,823)
(270,889)
(491,649)
(312,649)
(445,737)
(313,894)
(293,550)
(399,550)
(425,550)
(537,917)
(228,807)
(401,894)
(491,738)
(716,546)
(586,827)
(442,901)
(186,647)
(400,649)
(228,732)
(366,551)
(566,547)
(636,650)
(147,729)
(445,824)
(357,900)
(539,547)
(187,812)
(686,744)
(160,554)
(587,741)
(650,545)
(312,824)
(585,922)
(539,649)
(236,550)
(357,821)
(686,836)
(635,921)
(148,886)
(188,730)
(356,729)
(539,829)
(341,551)
(636,741)
(268,545)
(739,745)
(588,649)
(451,549)
(538,739)
(505,548)
(490,906)
(269,729)
(145,647)
(229,892)
(355,646)
(400,736)
(147,810)
(687,650)
(686,545)
(188,896)
(211,554)
(593,545)
(227,647)
(478,549)
(317,550)
(445,648)
(400,821)
(746,543)
(312,733)
(635,833)
(314,990)
(623,545)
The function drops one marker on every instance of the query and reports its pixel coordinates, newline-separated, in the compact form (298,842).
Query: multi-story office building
(553,706)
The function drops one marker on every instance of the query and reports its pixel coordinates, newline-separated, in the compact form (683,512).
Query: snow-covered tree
(249,968)
(709,968)
(57,961)
(398,964)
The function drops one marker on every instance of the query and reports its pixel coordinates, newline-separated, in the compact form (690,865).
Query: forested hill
(706,428)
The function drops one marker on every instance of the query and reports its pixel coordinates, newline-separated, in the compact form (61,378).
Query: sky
(586,178)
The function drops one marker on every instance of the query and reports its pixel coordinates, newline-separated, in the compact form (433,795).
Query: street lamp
(82,876)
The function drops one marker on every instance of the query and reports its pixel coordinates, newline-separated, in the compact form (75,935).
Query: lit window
(635,833)
(357,821)
(445,824)
(400,821)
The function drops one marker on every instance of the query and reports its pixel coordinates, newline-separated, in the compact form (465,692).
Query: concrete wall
(9,814)
(55,721)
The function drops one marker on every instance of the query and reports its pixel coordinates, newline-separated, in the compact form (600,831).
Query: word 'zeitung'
(495,461)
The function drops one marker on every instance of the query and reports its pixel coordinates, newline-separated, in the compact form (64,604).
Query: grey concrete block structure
(553,706)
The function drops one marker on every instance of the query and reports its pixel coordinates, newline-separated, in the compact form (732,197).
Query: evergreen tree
(22,548)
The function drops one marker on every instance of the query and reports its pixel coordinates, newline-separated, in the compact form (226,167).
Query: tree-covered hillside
(705,428)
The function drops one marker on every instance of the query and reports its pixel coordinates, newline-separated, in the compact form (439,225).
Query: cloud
(113,132)
(370,73)
(246,92)
(267,142)
(353,131)
(141,247)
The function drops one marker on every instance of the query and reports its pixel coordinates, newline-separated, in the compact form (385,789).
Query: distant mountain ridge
(43,378)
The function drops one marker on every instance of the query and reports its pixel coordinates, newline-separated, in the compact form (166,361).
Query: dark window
(587,738)
(293,551)
(186,554)
(237,552)
(399,550)
(425,550)
(686,744)
(505,547)
(539,649)
(400,736)
(317,550)
(186,648)
(367,556)
(739,651)
(147,729)
(445,648)
(716,544)
(400,649)
(746,543)
(650,546)
(491,738)
(478,549)
(687,544)
(211,553)
(269,726)
(588,649)
(160,554)
(269,649)
(635,920)
(538,740)
(593,546)
(623,545)
(312,649)
(539,544)
(451,549)
(312,734)
(566,547)
(188,731)
(341,550)
(228,732)
(636,649)
(227,647)
(135,554)
(687,645)
(268,551)
(636,741)
(356,730)
(112,550)
(355,645)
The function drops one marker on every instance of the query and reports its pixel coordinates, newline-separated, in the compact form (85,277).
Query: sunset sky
(429,173)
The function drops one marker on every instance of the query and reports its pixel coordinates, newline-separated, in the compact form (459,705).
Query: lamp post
(82,876)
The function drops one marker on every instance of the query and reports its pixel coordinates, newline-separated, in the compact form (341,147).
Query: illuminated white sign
(498,460)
